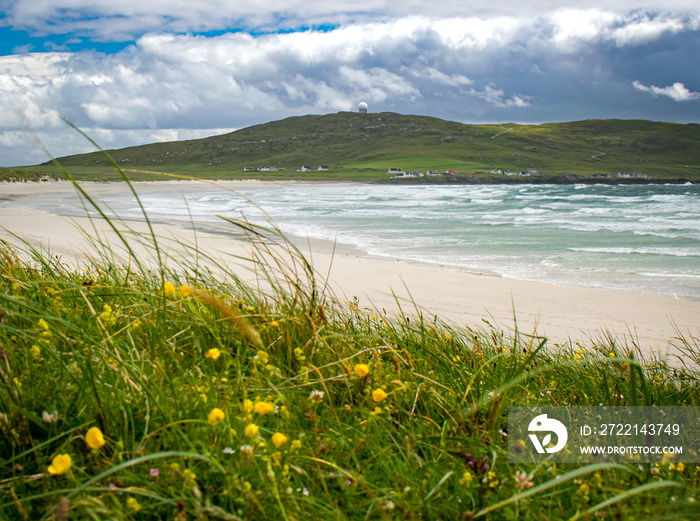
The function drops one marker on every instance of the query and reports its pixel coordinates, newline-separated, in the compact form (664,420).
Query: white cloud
(677,91)
(479,67)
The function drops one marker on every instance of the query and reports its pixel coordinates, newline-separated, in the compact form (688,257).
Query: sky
(130,72)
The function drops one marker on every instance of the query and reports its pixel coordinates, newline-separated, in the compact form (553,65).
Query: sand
(561,313)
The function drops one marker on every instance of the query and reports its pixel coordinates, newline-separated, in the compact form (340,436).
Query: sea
(642,238)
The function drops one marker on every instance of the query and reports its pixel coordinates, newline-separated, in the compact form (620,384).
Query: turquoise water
(631,237)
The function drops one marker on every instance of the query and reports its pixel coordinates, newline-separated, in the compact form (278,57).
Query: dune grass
(171,389)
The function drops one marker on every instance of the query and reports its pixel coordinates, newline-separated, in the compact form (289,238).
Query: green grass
(360,147)
(130,347)
(131,389)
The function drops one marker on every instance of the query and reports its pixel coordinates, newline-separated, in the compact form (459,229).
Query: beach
(459,297)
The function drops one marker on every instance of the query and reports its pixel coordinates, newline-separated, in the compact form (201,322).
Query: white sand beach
(464,299)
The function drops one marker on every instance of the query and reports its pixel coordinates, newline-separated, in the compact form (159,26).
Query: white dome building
(362,107)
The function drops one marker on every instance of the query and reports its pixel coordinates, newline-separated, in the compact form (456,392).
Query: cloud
(677,91)
(561,64)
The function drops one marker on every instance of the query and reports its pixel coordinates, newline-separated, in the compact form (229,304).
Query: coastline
(561,313)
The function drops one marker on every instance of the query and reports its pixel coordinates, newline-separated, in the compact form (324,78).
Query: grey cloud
(548,68)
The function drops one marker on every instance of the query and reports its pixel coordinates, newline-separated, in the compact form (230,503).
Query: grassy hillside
(363,146)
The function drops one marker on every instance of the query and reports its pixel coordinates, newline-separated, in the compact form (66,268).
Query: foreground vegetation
(131,389)
(362,147)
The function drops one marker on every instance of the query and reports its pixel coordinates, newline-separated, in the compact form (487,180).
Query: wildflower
(279,439)
(299,354)
(447,336)
(490,479)
(246,449)
(577,356)
(251,430)
(248,406)
(522,480)
(35,350)
(189,475)
(275,324)
(49,418)
(60,464)
(185,291)
(168,289)
(378,395)
(228,450)
(680,467)
(362,370)
(154,473)
(262,357)
(107,318)
(263,408)
(467,479)
(296,444)
(316,396)
(133,504)
(94,438)
(216,416)
(43,324)
(213,353)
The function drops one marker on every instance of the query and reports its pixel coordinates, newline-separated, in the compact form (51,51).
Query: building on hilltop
(362,107)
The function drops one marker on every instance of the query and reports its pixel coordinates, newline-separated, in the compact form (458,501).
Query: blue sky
(133,72)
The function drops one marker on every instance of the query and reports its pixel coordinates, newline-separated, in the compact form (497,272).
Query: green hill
(363,146)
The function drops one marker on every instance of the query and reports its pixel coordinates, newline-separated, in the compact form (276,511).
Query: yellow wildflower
(168,289)
(680,467)
(274,323)
(248,406)
(43,324)
(133,504)
(251,430)
(362,370)
(279,439)
(577,356)
(185,291)
(296,444)
(60,464)
(213,353)
(263,407)
(216,416)
(94,438)
(107,317)
(35,350)
(378,395)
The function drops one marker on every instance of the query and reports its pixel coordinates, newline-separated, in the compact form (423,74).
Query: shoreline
(465,299)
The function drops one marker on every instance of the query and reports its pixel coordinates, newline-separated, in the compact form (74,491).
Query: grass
(220,399)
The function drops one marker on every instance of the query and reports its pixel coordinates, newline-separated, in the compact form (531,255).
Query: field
(130,390)
(361,147)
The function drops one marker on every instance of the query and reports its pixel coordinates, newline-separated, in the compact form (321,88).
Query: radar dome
(362,107)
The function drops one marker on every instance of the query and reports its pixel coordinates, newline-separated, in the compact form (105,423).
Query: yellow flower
(94,438)
(60,464)
(361,370)
(274,323)
(378,395)
(279,439)
(43,324)
(216,416)
(133,504)
(213,353)
(680,467)
(263,407)
(248,406)
(577,356)
(251,430)
(168,289)
(185,291)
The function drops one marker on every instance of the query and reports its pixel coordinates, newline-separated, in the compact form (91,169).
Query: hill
(357,145)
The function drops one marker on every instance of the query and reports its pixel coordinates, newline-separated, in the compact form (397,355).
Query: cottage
(323,168)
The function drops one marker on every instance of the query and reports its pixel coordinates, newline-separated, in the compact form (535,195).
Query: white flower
(228,450)
(316,396)
(49,418)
